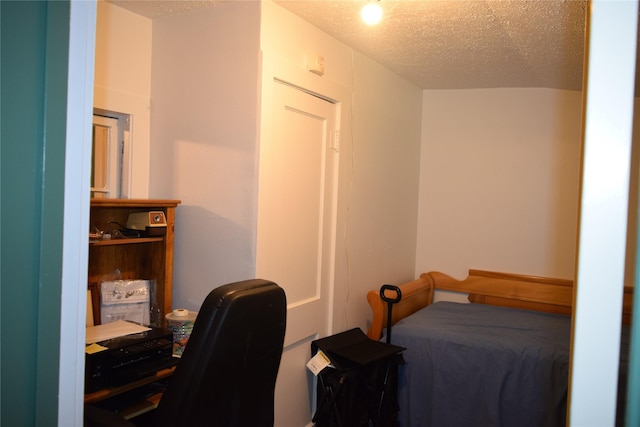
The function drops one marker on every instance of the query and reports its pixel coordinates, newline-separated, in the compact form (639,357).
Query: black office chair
(227,373)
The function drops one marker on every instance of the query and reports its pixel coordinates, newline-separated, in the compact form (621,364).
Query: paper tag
(94,348)
(318,363)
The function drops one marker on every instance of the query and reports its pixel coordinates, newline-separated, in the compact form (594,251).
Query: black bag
(361,390)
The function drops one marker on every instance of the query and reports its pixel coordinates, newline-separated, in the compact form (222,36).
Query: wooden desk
(137,407)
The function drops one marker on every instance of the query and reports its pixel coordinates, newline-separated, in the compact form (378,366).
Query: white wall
(204,148)
(499,184)
(123,80)
(379,159)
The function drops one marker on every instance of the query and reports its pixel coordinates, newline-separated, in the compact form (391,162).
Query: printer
(129,358)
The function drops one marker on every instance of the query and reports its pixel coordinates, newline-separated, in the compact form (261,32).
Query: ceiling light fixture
(371,12)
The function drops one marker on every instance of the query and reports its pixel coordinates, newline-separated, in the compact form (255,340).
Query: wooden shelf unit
(149,258)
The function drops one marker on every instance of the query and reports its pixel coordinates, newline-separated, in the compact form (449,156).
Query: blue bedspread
(481,365)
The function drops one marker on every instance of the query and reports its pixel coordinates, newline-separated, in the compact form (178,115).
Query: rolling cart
(360,388)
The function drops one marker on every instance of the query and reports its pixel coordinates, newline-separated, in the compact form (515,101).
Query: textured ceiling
(444,44)
(464,44)
(155,8)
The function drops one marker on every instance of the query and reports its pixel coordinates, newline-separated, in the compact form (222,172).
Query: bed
(502,360)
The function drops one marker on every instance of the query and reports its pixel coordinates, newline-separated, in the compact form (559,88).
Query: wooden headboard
(511,290)
(484,287)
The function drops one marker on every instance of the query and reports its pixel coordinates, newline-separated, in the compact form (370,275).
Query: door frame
(75,251)
(602,236)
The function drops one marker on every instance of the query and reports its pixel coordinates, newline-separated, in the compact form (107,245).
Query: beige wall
(379,159)
(499,181)
(123,80)
(204,129)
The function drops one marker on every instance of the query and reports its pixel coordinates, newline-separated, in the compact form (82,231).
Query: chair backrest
(227,373)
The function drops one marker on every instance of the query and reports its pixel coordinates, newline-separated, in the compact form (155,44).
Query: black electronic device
(129,358)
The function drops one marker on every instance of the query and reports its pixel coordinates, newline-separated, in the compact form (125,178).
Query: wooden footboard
(484,287)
